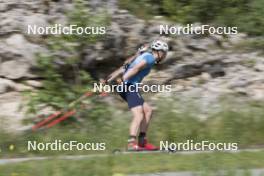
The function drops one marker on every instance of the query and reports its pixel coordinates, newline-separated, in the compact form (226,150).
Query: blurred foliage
(240,122)
(64,80)
(236,121)
(247,15)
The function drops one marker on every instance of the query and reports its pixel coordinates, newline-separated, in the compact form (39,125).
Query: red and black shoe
(148,146)
(133,146)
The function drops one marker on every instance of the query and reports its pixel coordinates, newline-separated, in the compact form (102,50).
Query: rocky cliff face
(201,67)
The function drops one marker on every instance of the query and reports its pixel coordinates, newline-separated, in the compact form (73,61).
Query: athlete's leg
(138,115)
(147,109)
(142,140)
(135,104)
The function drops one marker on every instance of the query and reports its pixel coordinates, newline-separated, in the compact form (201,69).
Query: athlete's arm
(133,71)
(142,49)
(117,73)
(130,59)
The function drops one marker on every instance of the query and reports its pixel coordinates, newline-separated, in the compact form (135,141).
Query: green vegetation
(110,165)
(246,15)
(63,78)
(102,130)
(236,122)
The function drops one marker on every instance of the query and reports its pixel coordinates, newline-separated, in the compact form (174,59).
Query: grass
(136,163)
(237,122)
(65,134)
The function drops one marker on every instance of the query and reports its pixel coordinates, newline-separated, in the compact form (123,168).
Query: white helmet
(159,46)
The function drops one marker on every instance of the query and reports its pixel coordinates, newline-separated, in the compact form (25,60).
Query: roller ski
(141,147)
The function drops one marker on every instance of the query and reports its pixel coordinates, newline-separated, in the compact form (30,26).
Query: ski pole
(56,114)
(49,122)
(60,119)
(43,122)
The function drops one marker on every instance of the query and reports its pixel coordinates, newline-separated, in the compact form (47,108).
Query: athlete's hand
(143,48)
(119,80)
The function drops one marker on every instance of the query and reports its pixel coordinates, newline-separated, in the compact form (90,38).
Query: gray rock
(34,83)
(14,69)
(197,46)
(10,22)
(3,7)
(18,56)
(18,43)
(13,115)
(259,67)
(218,39)
(38,20)
(9,85)
(5,85)
(236,39)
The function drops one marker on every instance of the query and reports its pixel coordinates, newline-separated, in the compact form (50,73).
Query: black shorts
(132,97)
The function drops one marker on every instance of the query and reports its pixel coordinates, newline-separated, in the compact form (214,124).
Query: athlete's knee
(148,110)
(138,113)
